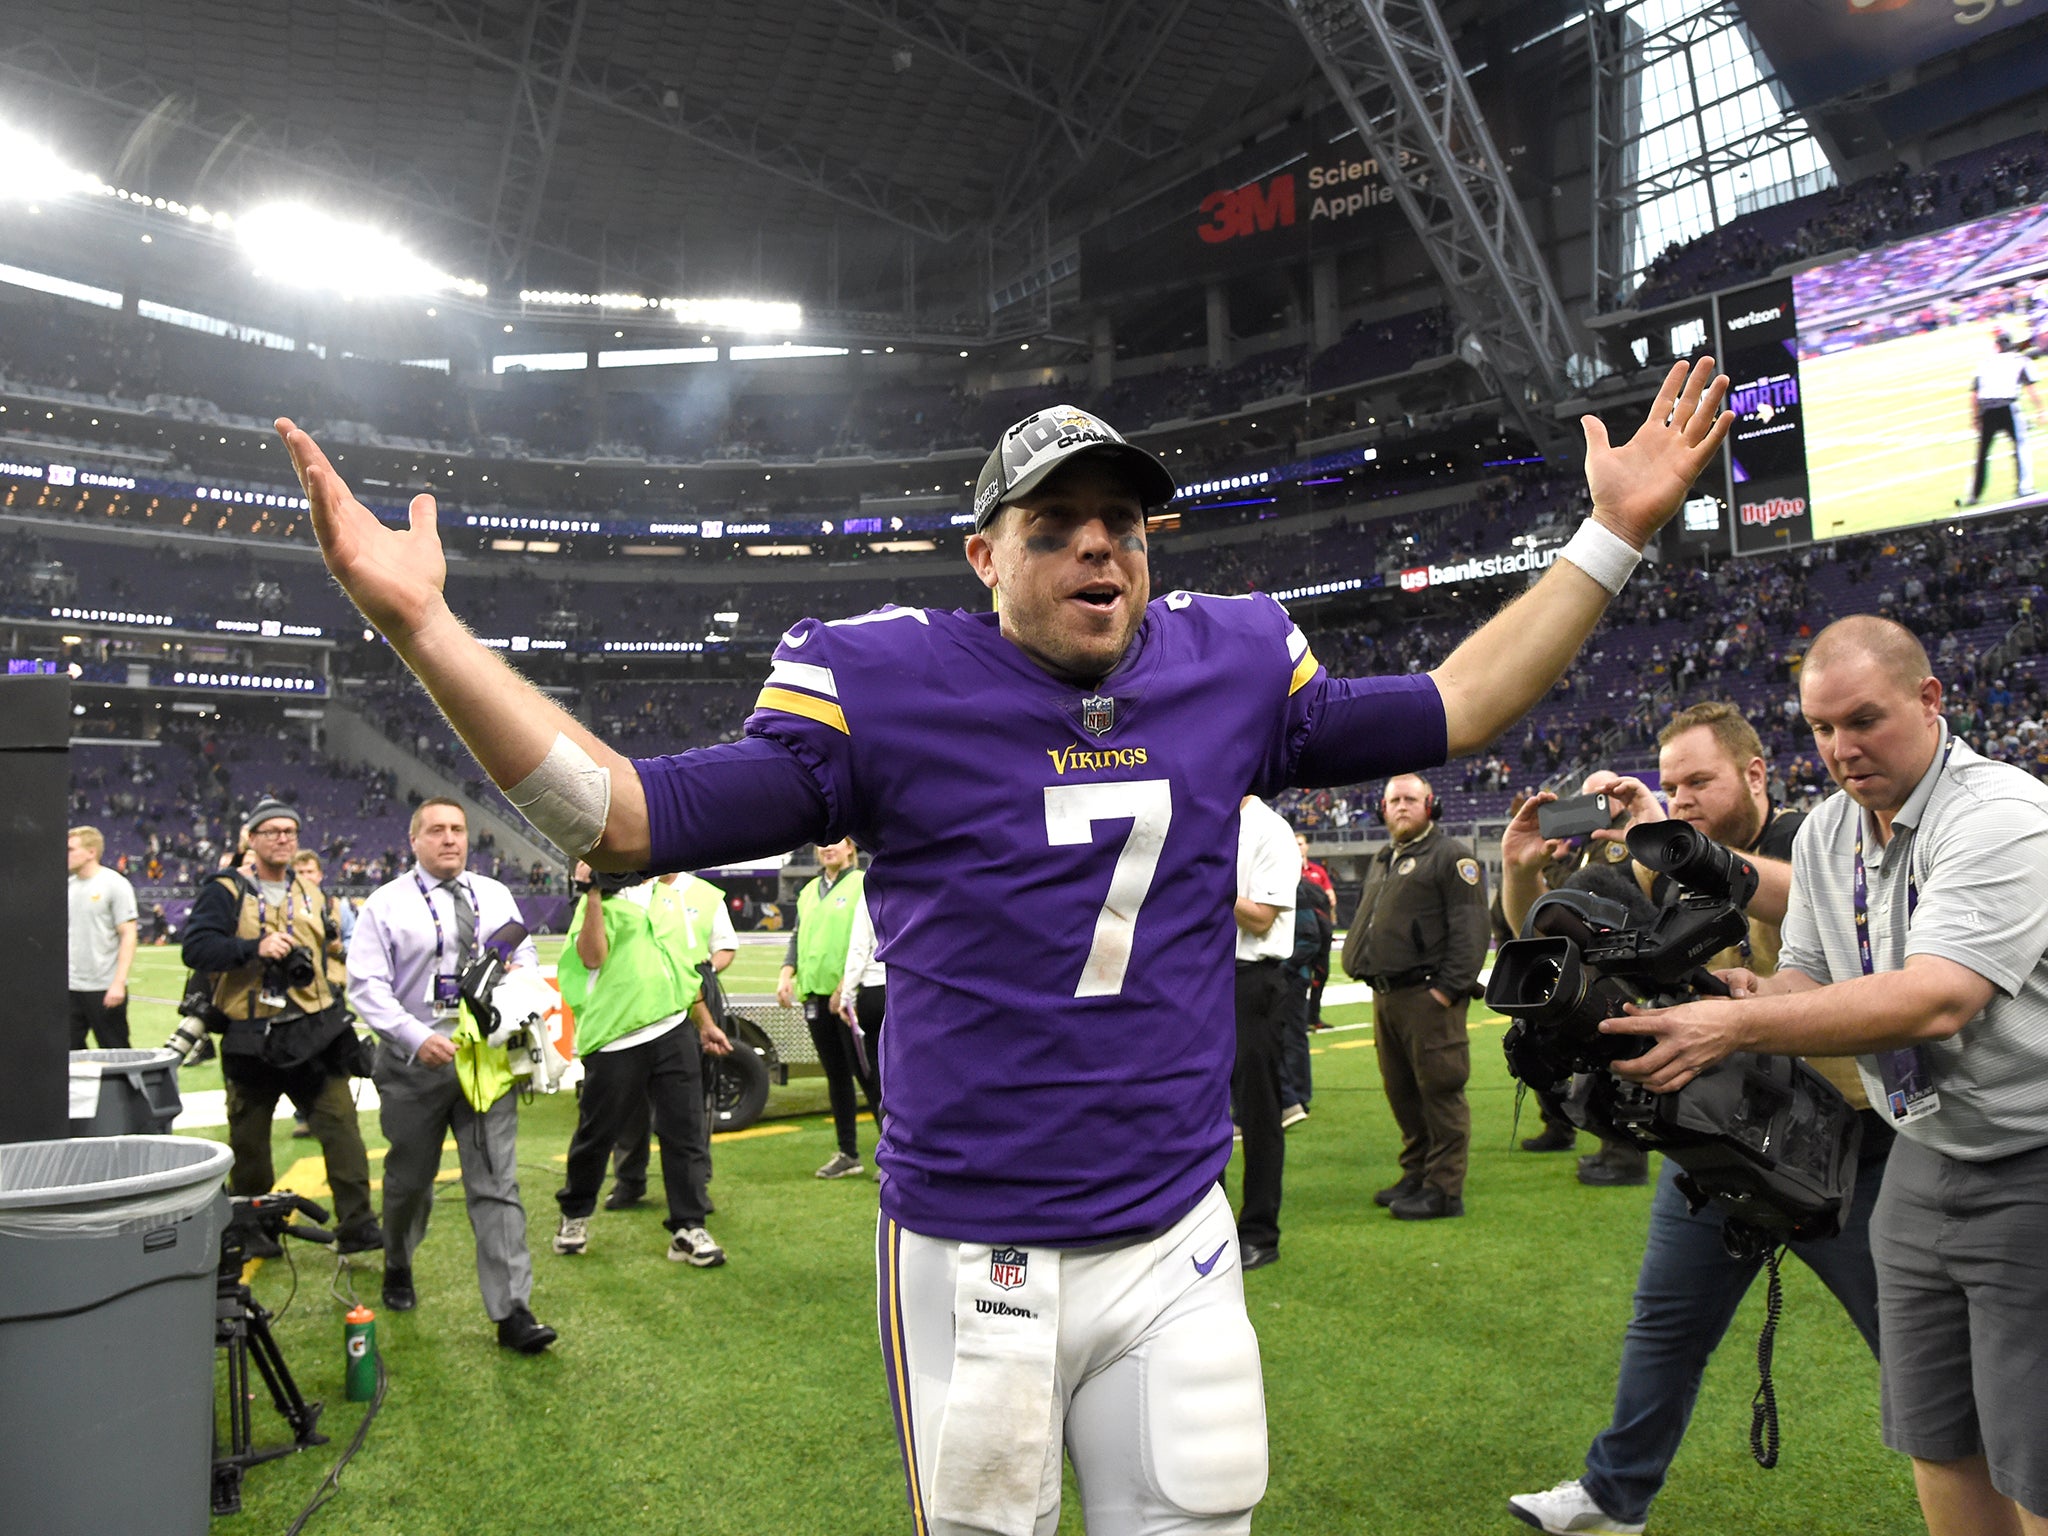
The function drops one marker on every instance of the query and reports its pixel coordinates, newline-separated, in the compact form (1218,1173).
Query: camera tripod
(242,1331)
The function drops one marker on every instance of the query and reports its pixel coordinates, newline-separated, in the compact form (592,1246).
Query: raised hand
(1633,798)
(1637,486)
(1522,844)
(395,576)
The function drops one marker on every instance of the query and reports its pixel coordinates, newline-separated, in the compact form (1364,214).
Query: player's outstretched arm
(396,578)
(1506,666)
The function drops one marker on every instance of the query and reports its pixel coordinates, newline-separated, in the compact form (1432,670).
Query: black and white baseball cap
(1041,442)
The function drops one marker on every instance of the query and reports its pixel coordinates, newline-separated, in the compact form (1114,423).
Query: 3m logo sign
(1232,213)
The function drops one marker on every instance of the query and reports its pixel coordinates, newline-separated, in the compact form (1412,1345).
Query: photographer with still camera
(1711,765)
(416,938)
(1917,938)
(284,1032)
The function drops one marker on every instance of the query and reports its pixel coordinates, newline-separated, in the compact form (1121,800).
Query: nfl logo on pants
(1006,1268)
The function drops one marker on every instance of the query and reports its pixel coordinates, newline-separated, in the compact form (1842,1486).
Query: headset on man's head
(1431,806)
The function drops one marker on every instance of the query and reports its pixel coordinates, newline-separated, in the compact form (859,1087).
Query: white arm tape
(567,798)
(1602,554)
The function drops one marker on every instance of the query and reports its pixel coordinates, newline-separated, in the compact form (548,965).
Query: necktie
(465,922)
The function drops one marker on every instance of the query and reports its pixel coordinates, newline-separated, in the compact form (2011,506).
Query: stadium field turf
(1889,435)
(1416,1374)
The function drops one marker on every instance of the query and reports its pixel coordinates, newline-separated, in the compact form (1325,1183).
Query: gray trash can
(124,1093)
(108,1248)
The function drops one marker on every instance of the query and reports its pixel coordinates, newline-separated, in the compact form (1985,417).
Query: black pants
(90,1014)
(1297,1083)
(834,1044)
(666,1074)
(871,1007)
(631,1151)
(1255,1086)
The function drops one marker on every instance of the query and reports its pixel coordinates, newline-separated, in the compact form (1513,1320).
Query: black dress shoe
(1427,1204)
(398,1292)
(625,1196)
(1609,1172)
(1555,1138)
(523,1332)
(363,1236)
(1257,1255)
(1410,1184)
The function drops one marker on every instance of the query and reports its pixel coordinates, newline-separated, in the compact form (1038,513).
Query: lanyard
(440,944)
(263,908)
(1909,1090)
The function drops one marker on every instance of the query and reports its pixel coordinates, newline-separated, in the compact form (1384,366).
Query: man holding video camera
(284,1032)
(1711,765)
(414,938)
(1916,938)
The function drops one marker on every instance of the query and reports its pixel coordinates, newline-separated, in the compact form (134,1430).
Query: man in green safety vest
(811,969)
(704,904)
(630,974)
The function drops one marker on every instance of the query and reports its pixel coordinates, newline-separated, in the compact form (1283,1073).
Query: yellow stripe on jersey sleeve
(1304,669)
(790,702)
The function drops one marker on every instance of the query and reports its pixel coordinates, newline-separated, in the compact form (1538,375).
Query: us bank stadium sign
(1420,578)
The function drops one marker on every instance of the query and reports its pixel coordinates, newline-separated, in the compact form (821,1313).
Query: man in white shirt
(1268,870)
(103,936)
(414,938)
(1995,404)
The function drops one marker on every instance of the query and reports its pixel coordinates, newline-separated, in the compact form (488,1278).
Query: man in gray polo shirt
(1915,939)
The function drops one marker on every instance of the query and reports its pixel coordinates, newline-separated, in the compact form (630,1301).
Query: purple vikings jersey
(1052,881)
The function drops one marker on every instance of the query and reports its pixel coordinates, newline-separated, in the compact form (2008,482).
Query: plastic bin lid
(86,1170)
(127,1058)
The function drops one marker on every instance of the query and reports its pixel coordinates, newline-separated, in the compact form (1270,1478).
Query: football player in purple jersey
(1056,1262)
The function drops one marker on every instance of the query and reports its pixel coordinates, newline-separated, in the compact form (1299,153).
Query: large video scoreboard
(1889,388)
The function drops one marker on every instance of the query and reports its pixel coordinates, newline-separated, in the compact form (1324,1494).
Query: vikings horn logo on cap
(1035,446)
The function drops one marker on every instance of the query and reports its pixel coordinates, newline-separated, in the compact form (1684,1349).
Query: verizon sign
(1420,578)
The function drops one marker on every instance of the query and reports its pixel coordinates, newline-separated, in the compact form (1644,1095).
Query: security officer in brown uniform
(1418,939)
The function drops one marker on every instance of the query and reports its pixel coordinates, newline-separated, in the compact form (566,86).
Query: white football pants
(1155,1384)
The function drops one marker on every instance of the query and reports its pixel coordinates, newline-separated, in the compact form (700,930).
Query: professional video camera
(1766,1139)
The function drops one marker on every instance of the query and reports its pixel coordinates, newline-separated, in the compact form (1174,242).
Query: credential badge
(1006,1268)
(1098,714)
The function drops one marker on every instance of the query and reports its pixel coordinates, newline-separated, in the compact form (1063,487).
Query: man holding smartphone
(1711,765)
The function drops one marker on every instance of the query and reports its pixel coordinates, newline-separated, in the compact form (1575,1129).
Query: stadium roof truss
(1399,80)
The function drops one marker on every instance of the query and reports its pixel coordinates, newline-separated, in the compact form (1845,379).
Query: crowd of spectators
(1875,210)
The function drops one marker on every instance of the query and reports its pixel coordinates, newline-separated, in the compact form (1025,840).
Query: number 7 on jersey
(1071,811)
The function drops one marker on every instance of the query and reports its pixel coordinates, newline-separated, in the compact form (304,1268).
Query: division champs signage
(1767,450)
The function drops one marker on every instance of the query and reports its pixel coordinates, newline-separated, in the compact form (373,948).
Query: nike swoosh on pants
(1203,1266)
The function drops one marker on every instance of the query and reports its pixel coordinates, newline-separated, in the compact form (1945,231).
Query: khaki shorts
(1962,1302)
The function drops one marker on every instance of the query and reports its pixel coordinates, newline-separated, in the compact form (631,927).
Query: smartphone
(1576,817)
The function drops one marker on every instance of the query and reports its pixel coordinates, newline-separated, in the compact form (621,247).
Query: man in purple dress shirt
(1055,1259)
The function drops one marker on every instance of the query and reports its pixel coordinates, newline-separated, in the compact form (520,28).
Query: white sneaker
(1293,1114)
(841,1166)
(1568,1510)
(693,1245)
(573,1235)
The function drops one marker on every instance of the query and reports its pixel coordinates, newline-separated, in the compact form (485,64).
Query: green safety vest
(824,927)
(649,972)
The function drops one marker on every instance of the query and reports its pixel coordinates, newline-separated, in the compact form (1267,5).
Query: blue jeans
(1686,1296)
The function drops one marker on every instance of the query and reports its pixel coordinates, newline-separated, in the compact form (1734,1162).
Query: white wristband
(1602,554)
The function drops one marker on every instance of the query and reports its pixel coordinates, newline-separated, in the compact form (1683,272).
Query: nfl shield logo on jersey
(1006,1268)
(1098,714)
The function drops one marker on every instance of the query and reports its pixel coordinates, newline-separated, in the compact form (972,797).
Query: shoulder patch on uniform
(1468,871)
(1616,852)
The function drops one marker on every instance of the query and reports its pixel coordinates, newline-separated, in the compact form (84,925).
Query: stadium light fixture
(31,171)
(308,248)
